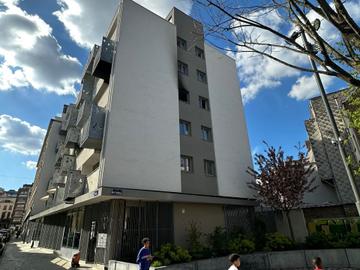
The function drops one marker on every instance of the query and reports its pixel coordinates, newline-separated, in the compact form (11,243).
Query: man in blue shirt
(144,257)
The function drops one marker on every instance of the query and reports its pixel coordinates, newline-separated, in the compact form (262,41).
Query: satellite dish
(316,24)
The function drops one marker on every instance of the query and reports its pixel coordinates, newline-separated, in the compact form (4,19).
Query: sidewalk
(19,256)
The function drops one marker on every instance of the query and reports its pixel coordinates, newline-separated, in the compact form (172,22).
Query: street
(19,256)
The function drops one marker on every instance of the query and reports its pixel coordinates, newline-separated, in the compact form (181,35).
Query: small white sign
(101,240)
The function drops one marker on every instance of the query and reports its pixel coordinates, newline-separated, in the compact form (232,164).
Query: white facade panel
(141,144)
(231,143)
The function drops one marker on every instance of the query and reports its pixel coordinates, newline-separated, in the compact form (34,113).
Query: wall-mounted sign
(116,191)
(101,240)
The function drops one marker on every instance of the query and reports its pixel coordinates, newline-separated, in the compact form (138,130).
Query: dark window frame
(207,103)
(209,136)
(184,92)
(208,162)
(180,69)
(190,164)
(199,52)
(181,43)
(201,76)
(182,121)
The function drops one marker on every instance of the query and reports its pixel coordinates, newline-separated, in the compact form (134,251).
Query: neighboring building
(330,169)
(7,202)
(20,203)
(114,167)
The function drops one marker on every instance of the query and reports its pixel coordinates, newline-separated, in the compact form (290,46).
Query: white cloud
(30,164)
(20,136)
(305,87)
(259,73)
(31,55)
(87,20)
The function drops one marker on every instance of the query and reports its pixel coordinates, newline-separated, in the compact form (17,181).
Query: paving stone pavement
(19,256)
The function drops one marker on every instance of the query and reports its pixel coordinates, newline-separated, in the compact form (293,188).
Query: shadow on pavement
(18,256)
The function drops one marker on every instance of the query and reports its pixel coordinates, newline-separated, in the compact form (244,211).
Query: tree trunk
(287,214)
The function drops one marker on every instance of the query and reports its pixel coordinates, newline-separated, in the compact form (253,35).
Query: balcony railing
(87,89)
(67,164)
(58,178)
(51,187)
(75,185)
(72,137)
(103,60)
(70,117)
(84,112)
(92,132)
(90,62)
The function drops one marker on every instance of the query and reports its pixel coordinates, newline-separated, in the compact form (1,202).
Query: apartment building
(7,202)
(20,204)
(334,185)
(156,141)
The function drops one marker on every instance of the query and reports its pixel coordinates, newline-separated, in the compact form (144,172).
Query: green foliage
(196,248)
(318,240)
(277,241)
(321,240)
(259,234)
(169,254)
(218,241)
(353,240)
(156,264)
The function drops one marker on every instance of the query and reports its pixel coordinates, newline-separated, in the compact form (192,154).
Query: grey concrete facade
(331,169)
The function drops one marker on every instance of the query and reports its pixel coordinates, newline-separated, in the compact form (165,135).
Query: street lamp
(337,137)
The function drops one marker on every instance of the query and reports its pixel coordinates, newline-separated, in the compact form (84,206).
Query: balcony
(51,189)
(87,89)
(72,137)
(61,150)
(58,178)
(70,117)
(92,132)
(84,112)
(90,62)
(75,185)
(100,88)
(67,164)
(103,60)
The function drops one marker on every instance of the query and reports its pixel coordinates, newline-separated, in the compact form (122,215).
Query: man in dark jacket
(144,257)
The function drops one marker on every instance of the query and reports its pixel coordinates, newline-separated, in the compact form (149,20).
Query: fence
(295,259)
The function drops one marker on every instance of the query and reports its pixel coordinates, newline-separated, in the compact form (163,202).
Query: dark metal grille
(145,219)
(239,218)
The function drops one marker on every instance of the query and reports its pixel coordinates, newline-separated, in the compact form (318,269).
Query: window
(199,52)
(5,207)
(184,95)
(209,167)
(204,103)
(186,164)
(201,76)
(73,225)
(183,68)
(10,207)
(181,43)
(185,128)
(206,134)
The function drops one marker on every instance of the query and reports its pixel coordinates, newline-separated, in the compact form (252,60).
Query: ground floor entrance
(112,230)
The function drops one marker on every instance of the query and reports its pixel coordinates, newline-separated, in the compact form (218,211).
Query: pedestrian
(317,263)
(235,261)
(144,257)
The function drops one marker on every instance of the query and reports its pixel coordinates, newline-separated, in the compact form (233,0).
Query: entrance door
(92,243)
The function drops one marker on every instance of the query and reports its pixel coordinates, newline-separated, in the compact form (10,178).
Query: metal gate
(146,219)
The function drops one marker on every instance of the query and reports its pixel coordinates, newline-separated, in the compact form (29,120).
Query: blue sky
(41,58)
